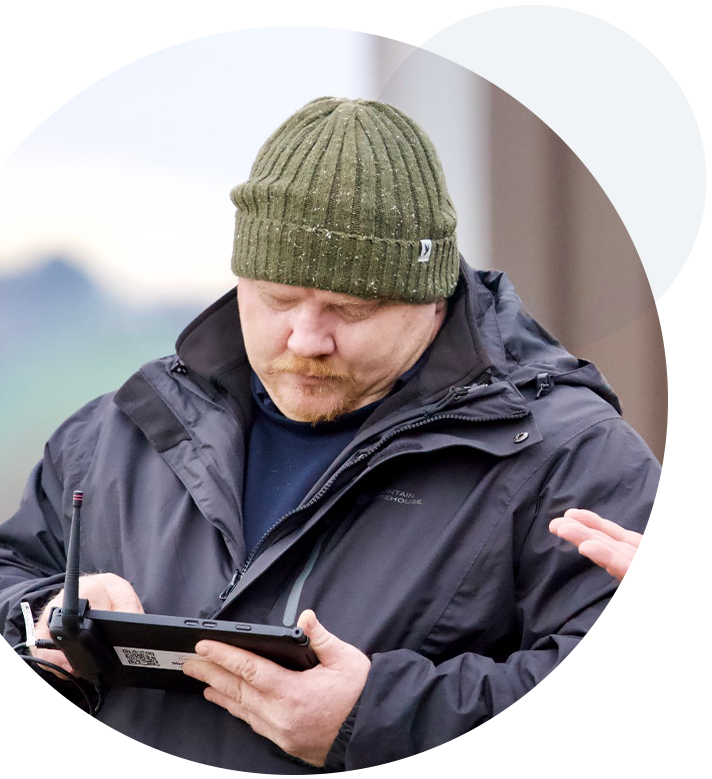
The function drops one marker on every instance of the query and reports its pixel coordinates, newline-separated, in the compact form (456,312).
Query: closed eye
(355,313)
(276,302)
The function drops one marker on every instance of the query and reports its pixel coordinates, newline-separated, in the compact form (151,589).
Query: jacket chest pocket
(392,556)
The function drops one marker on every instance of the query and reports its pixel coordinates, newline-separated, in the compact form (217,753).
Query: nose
(311,334)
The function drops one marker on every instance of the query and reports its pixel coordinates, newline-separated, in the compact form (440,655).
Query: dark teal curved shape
(623,84)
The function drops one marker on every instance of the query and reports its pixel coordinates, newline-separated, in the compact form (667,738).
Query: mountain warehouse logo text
(398,496)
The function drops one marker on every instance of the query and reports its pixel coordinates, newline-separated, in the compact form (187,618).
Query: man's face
(321,354)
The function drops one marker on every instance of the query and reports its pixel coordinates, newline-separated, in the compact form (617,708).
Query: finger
(52,656)
(577,534)
(635,576)
(122,595)
(643,550)
(95,593)
(327,647)
(571,530)
(554,524)
(258,672)
(106,592)
(42,624)
(241,712)
(226,683)
(612,529)
(654,586)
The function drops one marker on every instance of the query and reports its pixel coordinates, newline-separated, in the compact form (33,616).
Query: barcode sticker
(153,658)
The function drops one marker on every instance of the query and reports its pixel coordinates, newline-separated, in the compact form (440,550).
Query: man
(376,436)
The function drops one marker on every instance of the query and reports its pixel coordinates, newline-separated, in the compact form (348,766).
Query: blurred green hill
(63,341)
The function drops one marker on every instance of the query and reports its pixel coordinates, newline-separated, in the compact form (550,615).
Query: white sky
(131,178)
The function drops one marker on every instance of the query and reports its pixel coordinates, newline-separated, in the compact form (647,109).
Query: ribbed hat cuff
(366,267)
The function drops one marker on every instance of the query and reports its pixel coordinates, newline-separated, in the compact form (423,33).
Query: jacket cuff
(15,632)
(13,629)
(336,757)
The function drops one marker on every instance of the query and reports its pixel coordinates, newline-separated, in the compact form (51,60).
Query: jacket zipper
(543,384)
(453,392)
(231,586)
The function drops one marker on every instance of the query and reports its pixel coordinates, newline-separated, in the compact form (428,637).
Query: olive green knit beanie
(348,196)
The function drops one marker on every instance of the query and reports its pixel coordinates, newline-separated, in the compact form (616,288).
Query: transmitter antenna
(71,624)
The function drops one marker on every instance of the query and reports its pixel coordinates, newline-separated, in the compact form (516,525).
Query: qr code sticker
(141,657)
(153,658)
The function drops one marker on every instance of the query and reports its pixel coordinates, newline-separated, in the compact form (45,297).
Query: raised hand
(602,541)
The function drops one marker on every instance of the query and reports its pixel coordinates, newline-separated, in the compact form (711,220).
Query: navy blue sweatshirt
(286,458)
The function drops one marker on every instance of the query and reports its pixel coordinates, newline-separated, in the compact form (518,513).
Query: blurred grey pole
(452,104)
(528,206)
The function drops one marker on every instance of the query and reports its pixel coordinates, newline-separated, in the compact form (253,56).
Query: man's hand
(300,711)
(602,541)
(104,591)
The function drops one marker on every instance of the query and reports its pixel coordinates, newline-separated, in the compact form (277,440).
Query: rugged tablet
(145,650)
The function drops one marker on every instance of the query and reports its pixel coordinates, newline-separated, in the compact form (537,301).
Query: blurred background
(116,222)
(119,147)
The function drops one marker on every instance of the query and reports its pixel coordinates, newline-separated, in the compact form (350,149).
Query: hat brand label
(425,246)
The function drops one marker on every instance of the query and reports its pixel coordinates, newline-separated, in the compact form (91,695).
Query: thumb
(328,648)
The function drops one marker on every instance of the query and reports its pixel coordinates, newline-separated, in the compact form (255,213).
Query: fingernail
(201,649)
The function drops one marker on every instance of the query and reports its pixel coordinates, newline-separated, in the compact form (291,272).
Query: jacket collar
(213,341)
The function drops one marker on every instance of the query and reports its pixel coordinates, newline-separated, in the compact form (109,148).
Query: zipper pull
(230,587)
(453,394)
(179,367)
(543,383)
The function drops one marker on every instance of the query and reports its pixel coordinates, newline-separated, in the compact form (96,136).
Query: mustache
(308,366)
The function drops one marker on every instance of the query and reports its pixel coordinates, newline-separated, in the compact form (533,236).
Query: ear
(440,311)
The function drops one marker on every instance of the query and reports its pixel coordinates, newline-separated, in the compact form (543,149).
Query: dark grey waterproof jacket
(426,543)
